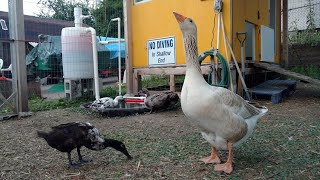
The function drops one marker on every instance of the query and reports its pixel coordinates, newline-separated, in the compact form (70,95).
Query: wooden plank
(172,83)
(277,69)
(7,116)
(128,38)
(239,87)
(233,81)
(166,70)
(18,54)
(137,85)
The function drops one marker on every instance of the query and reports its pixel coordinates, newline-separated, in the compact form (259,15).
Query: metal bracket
(217,5)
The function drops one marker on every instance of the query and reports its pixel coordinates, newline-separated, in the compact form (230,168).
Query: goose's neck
(191,51)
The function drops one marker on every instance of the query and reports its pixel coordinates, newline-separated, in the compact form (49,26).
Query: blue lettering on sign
(165,43)
(152,45)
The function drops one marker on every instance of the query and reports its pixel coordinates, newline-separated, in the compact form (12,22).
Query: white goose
(225,119)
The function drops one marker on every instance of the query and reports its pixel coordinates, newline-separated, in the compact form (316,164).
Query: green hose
(225,77)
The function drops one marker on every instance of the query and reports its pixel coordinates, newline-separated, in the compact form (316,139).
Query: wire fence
(303,14)
(7,104)
(304,31)
(59,56)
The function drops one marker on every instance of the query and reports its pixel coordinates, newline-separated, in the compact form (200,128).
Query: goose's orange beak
(179,17)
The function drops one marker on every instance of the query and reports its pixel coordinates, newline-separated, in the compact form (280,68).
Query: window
(140,1)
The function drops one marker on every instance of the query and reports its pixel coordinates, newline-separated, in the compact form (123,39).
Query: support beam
(18,55)
(137,83)
(171,71)
(174,70)
(284,56)
(128,38)
(172,83)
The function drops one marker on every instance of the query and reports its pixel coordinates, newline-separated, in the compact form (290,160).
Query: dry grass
(285,145)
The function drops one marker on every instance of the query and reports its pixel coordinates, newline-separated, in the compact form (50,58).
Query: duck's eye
(191,20)
(122,145)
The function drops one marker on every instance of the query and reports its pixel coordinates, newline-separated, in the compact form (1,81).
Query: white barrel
(77,60)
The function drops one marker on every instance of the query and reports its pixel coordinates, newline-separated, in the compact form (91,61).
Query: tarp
(46,51)
(47,55)
(113,47)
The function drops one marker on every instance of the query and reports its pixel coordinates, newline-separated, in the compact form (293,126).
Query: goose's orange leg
(226,167)
(213,158)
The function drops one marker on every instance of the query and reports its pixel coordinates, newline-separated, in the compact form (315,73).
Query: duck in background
(159,101)
(66,137)
(225,119)
(105,102)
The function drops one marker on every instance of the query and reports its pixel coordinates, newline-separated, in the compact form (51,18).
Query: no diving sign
(162,51)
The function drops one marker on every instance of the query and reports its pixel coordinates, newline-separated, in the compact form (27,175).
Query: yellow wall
(154,19)
(247,10)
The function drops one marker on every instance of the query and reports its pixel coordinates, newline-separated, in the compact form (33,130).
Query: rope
(225,77)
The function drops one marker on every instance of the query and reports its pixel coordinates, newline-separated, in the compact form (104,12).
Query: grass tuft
(310,70)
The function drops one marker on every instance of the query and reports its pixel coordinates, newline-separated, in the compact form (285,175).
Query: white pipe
(119,51)
(110,42)
(95,61)
(119,54)
(77,17)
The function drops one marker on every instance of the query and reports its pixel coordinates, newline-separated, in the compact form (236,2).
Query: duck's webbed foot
(213,158)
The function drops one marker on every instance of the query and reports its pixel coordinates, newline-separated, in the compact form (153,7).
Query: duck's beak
(179,17)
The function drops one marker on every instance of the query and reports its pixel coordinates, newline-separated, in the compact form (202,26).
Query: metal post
(18,55)
(284,58)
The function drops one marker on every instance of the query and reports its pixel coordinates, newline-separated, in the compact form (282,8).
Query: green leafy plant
(309,36)
(112,91)
(39,104)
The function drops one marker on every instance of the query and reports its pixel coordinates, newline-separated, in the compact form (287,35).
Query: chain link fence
(7,98)
(59,56)
(304,32)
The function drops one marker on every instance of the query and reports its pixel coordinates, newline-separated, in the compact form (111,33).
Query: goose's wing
(236,104)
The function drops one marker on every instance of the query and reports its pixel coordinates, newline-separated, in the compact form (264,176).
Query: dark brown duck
(69,136)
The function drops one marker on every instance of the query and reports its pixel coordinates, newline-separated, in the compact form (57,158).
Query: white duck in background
(106,102)
(225,119)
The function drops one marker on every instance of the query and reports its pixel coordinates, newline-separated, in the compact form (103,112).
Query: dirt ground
(284,145)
